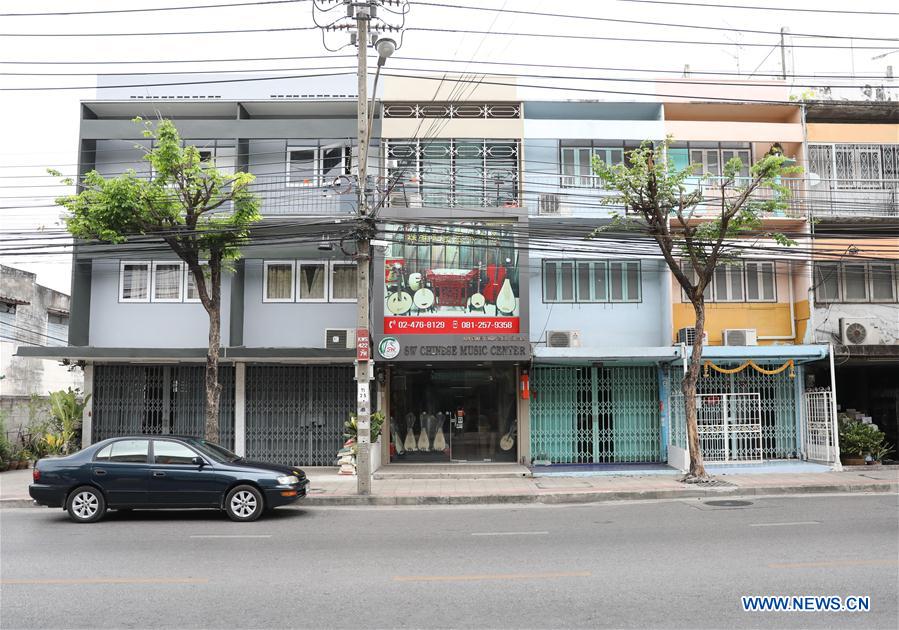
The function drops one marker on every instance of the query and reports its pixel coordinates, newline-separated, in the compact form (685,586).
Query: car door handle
(159,474)
(100,472)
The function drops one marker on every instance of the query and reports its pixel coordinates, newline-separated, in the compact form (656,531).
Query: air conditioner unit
(858,331)
(563,339)
(551,204)
(340,338)
(740,337)
(688,336)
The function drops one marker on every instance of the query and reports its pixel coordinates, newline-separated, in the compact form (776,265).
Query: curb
(561,498)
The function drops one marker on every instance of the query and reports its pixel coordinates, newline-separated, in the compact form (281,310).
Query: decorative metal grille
(453,173)
(779,407)
(818,438)
(595,415)
(854,179)
(452,110)
(158,400)
(295,414)
(729,427)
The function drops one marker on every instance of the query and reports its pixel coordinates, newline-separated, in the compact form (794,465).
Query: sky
(40,125)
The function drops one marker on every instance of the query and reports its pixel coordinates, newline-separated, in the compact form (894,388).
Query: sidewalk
(329,489)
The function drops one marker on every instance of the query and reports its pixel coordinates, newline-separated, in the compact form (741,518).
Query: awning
(636,355)
(146,355)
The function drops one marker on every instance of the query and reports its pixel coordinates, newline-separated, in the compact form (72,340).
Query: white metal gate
(818,434)
(730,427)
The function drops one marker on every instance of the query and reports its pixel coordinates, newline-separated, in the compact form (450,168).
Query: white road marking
(232,536)
(509,533)
(784,524)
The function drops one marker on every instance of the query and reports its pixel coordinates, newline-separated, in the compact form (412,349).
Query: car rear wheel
(244,503)
(86,505)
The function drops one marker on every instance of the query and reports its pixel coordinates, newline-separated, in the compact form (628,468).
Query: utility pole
(360,15)
(783,52)
(363,263)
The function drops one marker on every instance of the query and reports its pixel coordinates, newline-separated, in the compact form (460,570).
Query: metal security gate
(158,400)
(592,415)
(818,434)
(295,414)
(779,405)
(729,427)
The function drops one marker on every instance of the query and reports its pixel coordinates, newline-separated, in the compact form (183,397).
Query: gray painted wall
(607,324)
(292,325)
(148,325)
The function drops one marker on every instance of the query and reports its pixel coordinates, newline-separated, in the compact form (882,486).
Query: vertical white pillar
(87,419)
(240,409)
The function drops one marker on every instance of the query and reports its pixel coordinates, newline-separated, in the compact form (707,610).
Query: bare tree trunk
(213,387)
(688,387)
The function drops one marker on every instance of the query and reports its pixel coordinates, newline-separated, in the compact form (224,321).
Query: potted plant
(346,456)
(860,441)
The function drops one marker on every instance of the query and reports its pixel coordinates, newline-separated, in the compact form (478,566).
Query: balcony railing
(852,198)
(315,198)
(564,195)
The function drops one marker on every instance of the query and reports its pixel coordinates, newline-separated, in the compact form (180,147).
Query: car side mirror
(198,461)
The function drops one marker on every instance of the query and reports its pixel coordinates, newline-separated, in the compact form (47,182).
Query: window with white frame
(591,281)
(761,281)
(343,282)
(855,166)
(277,283)
(743,281)
(312,281)
(190,285)
(863,282)
(577,163)
(315,166)
(308,281)
(134,282)
(167,281)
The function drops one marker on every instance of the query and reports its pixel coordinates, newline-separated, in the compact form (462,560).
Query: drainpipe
(835,437)
(792,334)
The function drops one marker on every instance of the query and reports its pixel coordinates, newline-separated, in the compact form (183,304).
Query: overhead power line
(781,7)
(152,9)
(595,18)
(638,39)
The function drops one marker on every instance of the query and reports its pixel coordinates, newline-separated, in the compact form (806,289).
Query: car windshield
(219,452)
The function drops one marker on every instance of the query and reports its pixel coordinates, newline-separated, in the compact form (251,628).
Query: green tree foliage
(202,214)
(704,221)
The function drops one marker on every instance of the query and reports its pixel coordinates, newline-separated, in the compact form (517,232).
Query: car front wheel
(86,505)
(244,503)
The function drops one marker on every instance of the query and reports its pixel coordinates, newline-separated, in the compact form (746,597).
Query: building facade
(30,315)
(506,325)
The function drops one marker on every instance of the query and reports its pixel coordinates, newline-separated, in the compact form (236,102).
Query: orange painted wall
(836,248)
(767,318)
(836,132)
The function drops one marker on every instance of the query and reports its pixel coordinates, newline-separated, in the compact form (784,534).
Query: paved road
(677,564)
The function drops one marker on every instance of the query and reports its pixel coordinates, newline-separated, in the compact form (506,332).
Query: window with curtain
(278,281)
(827,282)
(883,282)
(312,278)
(343,281)
(855,282)
(591,281)
(728,283)
(624,281)
(190,285)
(761,282)
(135,282)
(167,282)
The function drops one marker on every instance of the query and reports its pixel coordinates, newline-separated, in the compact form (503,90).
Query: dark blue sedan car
(147,472)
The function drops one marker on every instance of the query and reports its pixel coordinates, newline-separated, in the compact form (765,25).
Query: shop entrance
(453,414)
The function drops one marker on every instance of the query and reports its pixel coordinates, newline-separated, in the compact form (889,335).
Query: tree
(202,214)
(664,202)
